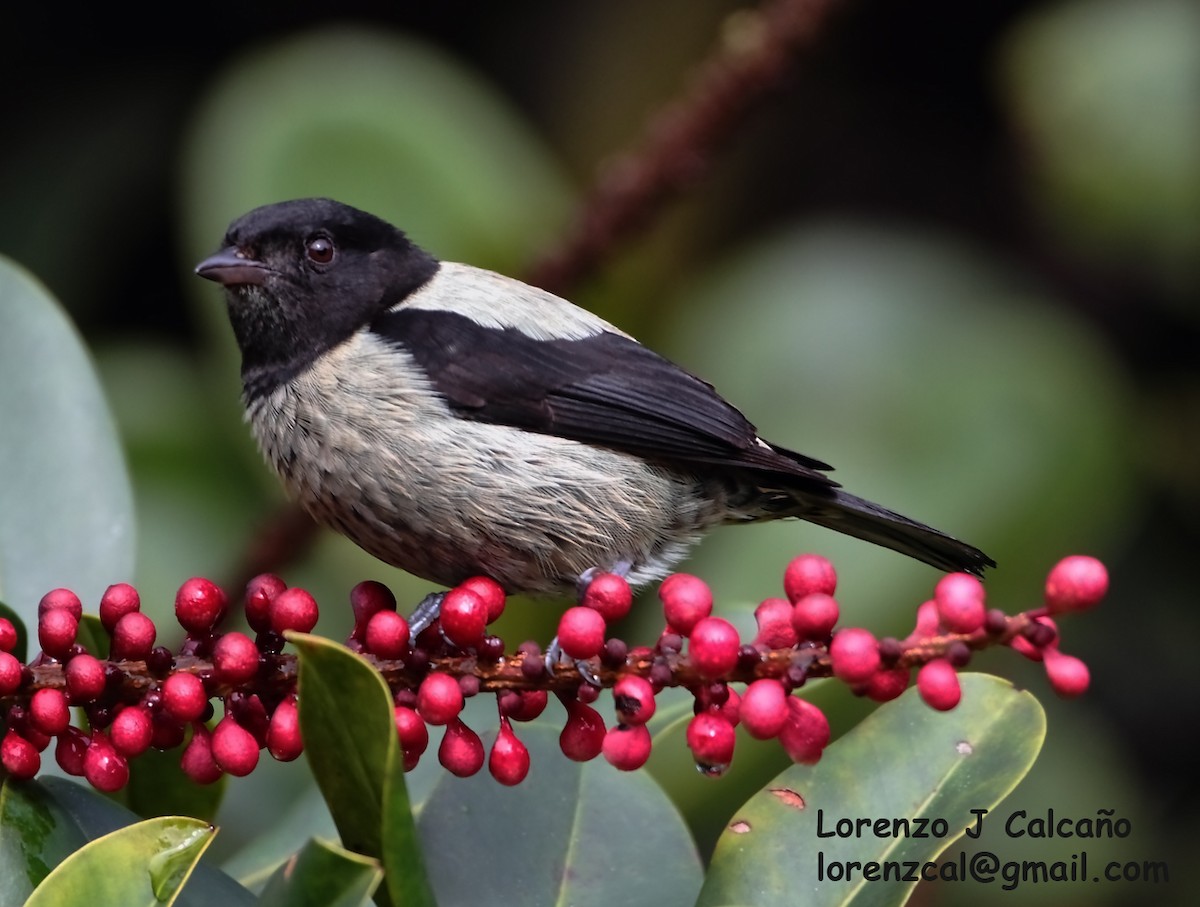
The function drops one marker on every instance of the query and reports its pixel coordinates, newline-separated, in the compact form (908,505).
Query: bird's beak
(230,267)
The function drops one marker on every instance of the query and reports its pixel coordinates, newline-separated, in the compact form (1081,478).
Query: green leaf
(153,860)
(158,787)
(21,650)
(568,834)
(348,724)
(67,509)
(307,816)
(322,875)
(905,761)
(92,636)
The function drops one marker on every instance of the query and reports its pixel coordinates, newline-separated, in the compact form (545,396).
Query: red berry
(730,709)
(85,679)
(10,673)
(366,599)
(167,732)
(118,600)
(686,600)
(198,762)
(711,738)
(610,595)
(48,712)
(260,592)
(19,757)
(490,591)
(509,759)
(234,748)
(413,734)
(463,617)
(581,632)
(69,751)
(526,705)
(928,621)
(199,605)
(235,659)
(461,750)
(1068,675)
(293,609)
(1041,634)
(774,619)
(814,616)
(627,746)
(937,682)
(805,733)
(132,637)
(713,647)
(808,574)
(439,698)
(887,683)
(854,655)
(63,599)
(634,699)
(582,737)
(132,731)
(105,768)
(184,698)
(386,635)
(283,733)
(1075,583)
(8,635)
(763,708)
(56,631)
(960,602)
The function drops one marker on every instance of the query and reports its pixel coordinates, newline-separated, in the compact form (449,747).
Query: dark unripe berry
(184,698)
(19,757)
(525,705)
(854,655)
(937,682)
(634,699)
(63,599)
(814,616)
(1068,675)
(118,600)
(960,602)
(582,737)
(1039,635)
(283,733)
(439,698)
(713,647)
(85,680)
(198,762)
(234,748)
(1075,583)
(168,733)
(581,632)
(235,659)
(711,739)
(887,683)
(293,609)
(387,635)
(56,631)
(627,747)
(490,591)
(461,750)
(805,733)
(199,605)
(463,617)
(413,735)
(69,751)
(686,600)
(132,731)
(10,673)
(763,708)
(809,574)
(133,637)
(8,635)
(48,712)
(774,619)
(509,759)
(610,595)
(260,592)
(105,768)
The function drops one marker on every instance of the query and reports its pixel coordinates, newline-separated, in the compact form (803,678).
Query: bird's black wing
(604,389)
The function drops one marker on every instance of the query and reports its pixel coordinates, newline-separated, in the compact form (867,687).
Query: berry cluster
(140,695)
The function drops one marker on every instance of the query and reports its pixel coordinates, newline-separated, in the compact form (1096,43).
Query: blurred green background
(956,254)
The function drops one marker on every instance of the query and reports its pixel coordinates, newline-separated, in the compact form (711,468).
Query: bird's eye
(320,250)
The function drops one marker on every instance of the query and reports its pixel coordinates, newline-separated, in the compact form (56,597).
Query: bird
(455,422)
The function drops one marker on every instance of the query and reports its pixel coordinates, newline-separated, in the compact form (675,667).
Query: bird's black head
(302,276)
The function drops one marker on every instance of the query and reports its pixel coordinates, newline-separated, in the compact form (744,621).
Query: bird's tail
(865,520)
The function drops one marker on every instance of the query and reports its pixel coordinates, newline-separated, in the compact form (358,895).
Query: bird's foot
(556,657)
(425,613)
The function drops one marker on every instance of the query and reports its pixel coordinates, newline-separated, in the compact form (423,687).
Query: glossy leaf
(568,834)
(322,875)
(66,508)
(303,818)
(153,860)
(20,651)
(905,761)
(92,636)
(347,719)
